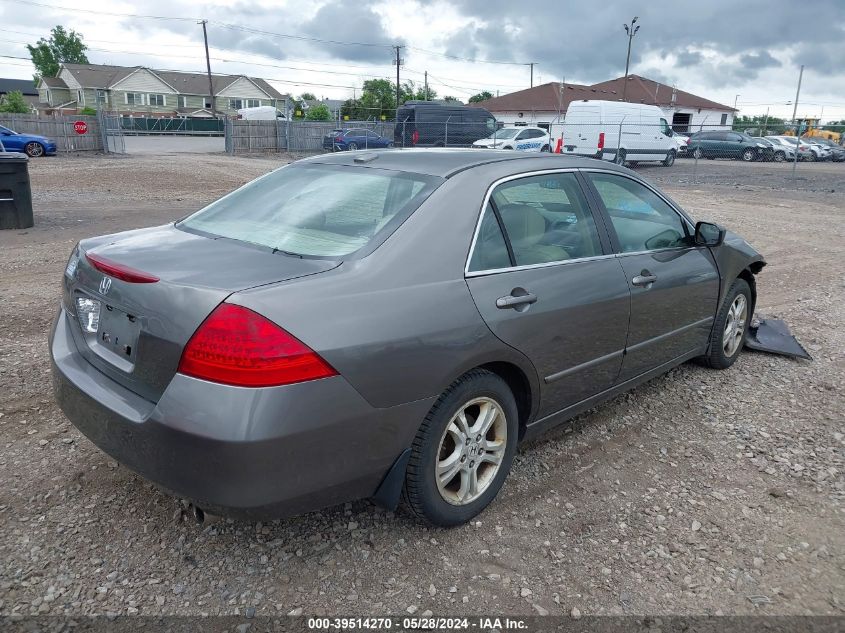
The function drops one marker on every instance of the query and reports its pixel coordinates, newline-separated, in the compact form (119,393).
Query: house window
(80,97)
(102,97)
(236,104)
(724,119)
(183,102)
(156,100)
(134,98)
(253,103)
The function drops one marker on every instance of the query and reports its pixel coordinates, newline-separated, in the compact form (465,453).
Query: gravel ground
(701,492)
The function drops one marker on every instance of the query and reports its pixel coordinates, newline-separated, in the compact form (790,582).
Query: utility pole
(795,122)
(398,62)
(631,31)
(426,85)
(531,65)
(208,66)
(736,98)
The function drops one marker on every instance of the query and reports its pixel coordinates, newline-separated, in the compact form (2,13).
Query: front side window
(315,210)
(641,219)
(545,219)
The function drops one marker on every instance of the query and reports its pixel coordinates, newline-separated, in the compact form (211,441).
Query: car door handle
(644,279)
(515,301)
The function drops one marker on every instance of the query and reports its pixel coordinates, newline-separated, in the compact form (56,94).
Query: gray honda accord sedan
(386,324)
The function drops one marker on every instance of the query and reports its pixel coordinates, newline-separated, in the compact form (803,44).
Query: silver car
(386,324)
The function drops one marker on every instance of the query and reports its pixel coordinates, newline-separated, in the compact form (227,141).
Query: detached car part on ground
(386,323)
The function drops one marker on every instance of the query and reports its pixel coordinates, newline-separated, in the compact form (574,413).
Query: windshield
(5,129)
(505,133)
(315,210)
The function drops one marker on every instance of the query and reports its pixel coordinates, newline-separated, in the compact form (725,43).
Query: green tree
(14,102)
(760,124)
(451,99)
(62,47)
(413,91)
(481,96)
(307,96)
(88,110)
(319,112)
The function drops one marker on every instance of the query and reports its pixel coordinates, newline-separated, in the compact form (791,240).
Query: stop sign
(81,127)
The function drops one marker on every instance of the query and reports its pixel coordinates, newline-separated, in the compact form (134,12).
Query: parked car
(779,152)
(32,145)
(354,138)
(681,141)
(618,131)
(434,124)
(819,150)
(520,138)
(261,113)
(727,144)
(804,152)
(354,326)
(837,151)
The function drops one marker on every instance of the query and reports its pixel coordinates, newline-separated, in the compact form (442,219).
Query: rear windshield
(315,210)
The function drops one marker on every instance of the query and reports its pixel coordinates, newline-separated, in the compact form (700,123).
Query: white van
(618,131)
(261,113)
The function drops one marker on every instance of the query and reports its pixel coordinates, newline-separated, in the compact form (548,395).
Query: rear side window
(546,219)
(641,219)
(315,210)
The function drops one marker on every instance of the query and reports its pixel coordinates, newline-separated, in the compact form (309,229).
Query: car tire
(507,147)
(811,157)
(731,326)
(697,153)
(749,155)
(546,148)
(619,159)
(390,146)
(352,146)
(670,159)
(779,157)
(444,441)
(34,149)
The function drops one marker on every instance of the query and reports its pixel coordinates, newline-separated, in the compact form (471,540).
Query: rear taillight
(338,139)
(120,271)
(236,346)
(415,137)
(601,140)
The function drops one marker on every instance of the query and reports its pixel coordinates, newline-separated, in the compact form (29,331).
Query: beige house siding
(243,89)
(142,80)
(69,79)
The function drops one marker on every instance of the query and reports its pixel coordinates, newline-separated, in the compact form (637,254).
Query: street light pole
(631,31)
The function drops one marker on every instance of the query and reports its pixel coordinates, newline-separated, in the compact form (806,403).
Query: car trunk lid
(143,327)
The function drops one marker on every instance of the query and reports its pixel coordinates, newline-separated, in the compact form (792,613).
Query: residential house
(546,105)
(24,86)
(144,92)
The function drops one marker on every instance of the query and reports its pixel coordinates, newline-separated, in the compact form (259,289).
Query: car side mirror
(709,234)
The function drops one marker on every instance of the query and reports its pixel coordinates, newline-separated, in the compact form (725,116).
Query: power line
(91,11)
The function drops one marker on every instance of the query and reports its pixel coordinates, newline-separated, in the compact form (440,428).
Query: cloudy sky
(720,49)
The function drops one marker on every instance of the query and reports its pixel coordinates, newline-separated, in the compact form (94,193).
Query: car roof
(448,162)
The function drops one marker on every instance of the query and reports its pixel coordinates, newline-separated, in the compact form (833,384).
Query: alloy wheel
(735,325)
(34,149)
(748,155)
(471,451)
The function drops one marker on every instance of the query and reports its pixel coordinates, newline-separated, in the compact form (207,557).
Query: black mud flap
(773,336)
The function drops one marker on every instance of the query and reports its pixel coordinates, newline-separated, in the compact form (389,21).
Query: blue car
(355,138)
(30,144)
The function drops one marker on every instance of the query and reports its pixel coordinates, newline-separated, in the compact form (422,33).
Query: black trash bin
(15,192)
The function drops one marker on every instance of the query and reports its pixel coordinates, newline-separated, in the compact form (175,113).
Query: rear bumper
(249,452)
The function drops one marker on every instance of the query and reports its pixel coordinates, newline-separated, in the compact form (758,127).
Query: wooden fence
(60,129)
(244,137)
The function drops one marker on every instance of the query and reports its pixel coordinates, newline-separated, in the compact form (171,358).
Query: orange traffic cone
(559,145)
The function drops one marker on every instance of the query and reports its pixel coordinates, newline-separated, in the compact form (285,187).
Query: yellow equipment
(809,128)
